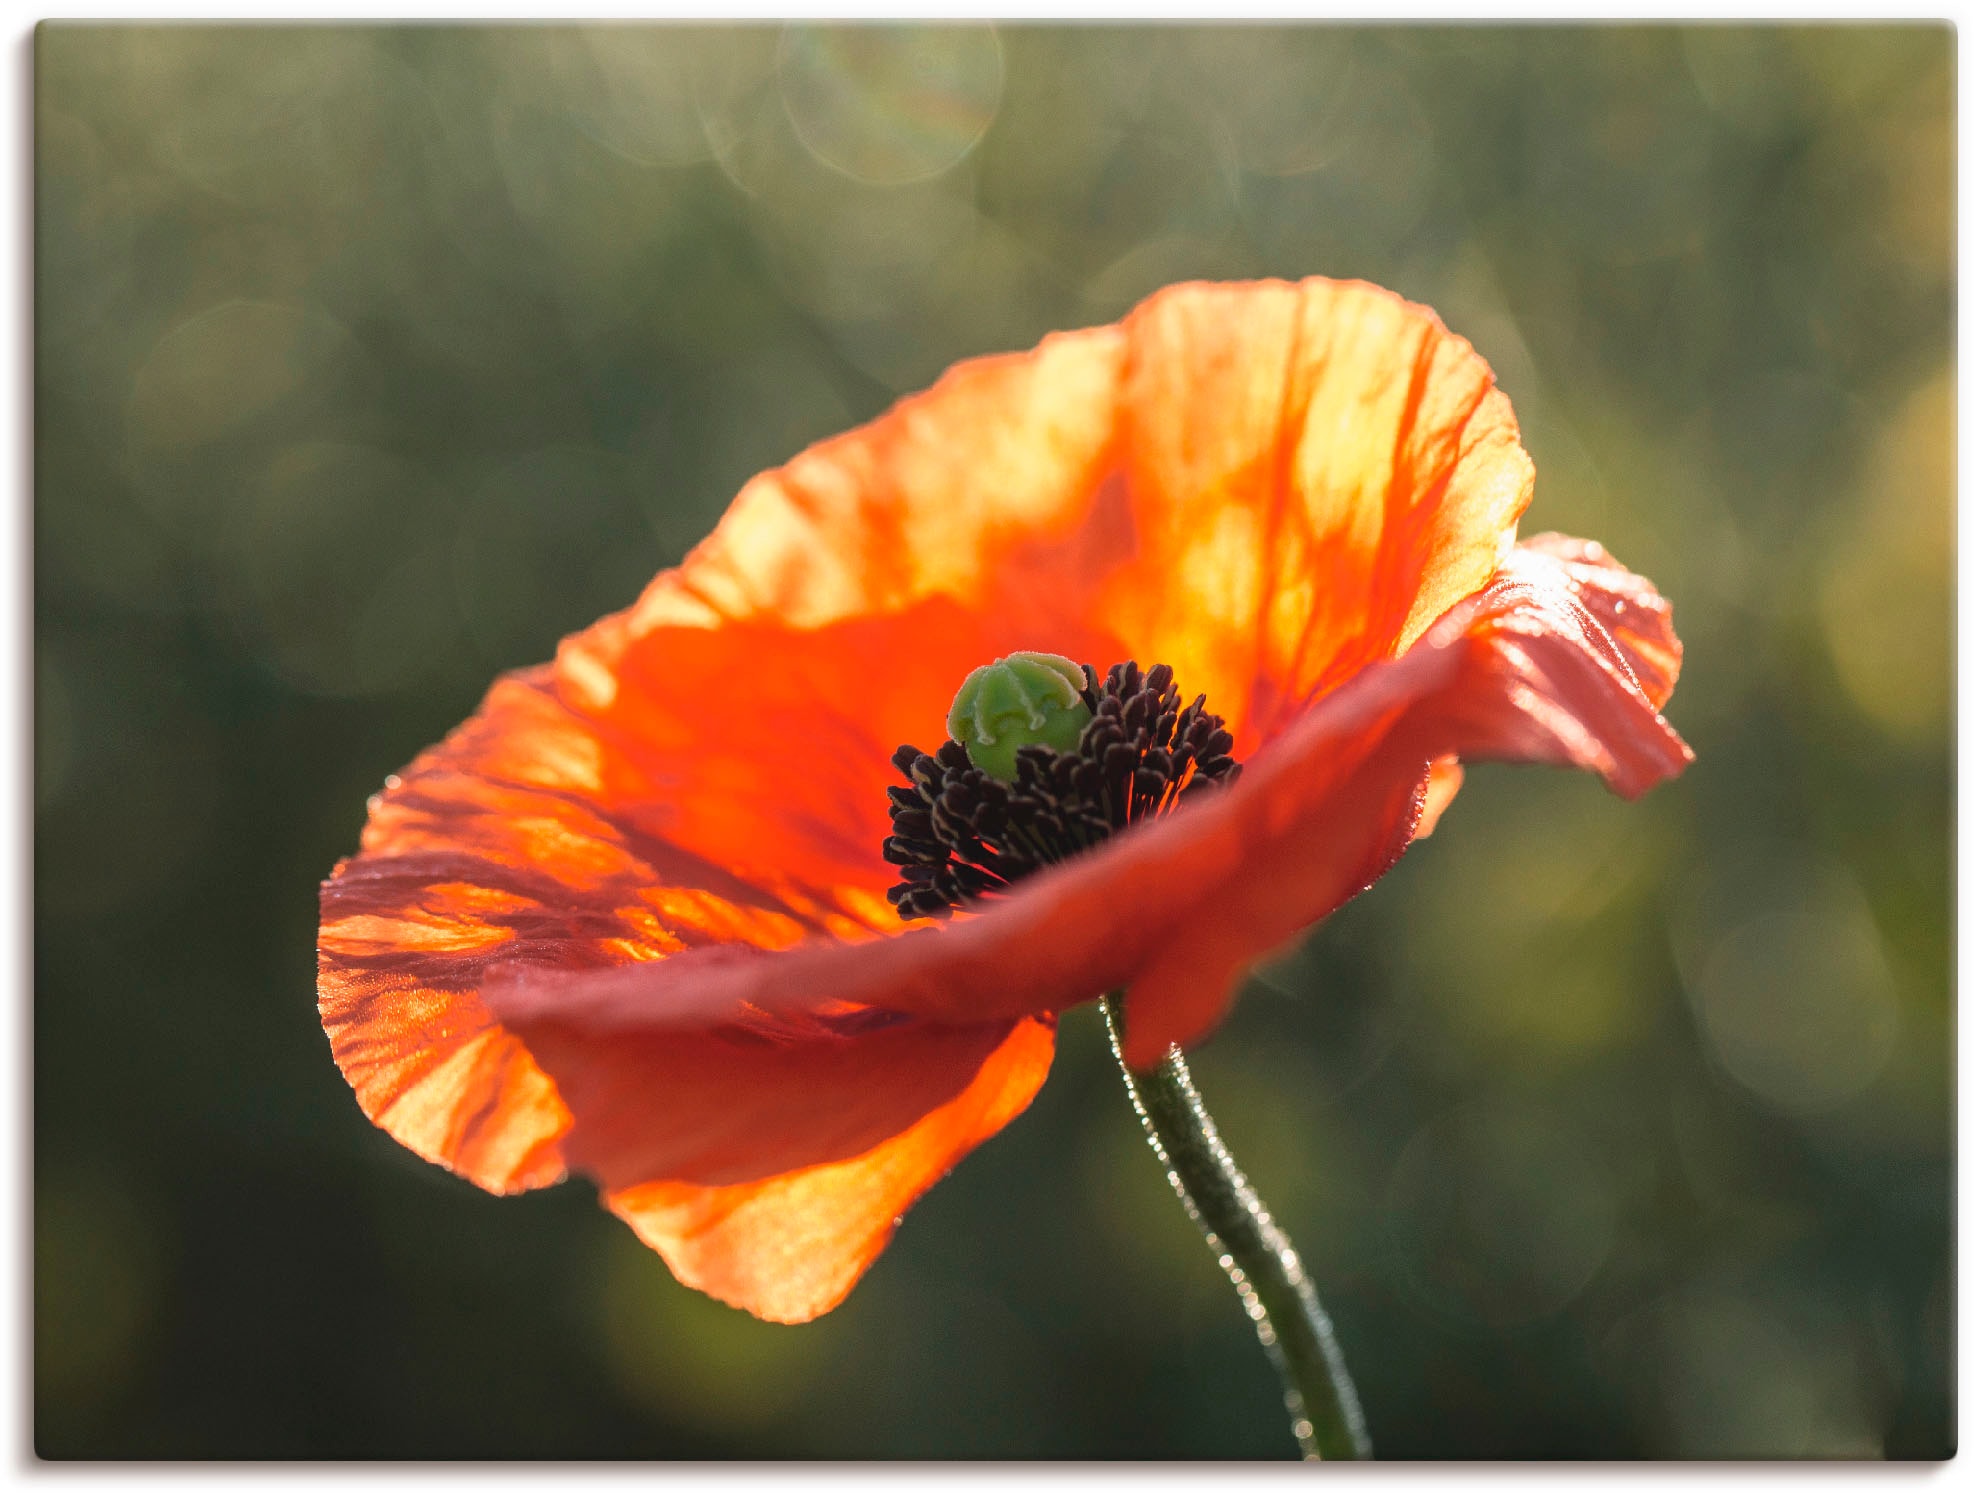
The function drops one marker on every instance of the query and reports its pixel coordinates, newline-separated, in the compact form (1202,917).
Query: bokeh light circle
(633,91)
(890,104)
(1788,975)
(1500,1216)
(1798,1004)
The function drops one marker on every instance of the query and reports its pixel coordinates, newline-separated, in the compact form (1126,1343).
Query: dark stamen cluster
(961,835)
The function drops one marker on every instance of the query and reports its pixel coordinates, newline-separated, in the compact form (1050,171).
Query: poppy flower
(632,918)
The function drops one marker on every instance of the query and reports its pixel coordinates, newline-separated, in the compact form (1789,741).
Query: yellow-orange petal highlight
(629,919)
(1446,777)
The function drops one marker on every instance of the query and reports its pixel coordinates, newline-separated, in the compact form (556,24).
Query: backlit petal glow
(630,918)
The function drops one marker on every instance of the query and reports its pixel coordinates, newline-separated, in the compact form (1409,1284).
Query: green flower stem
(1254,1251)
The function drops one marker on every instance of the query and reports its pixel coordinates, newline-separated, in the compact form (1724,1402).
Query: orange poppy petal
(531,843)
(483,851)
(1317,472)
(1175,908)
(757,1095)
(986,490)
(1266,485)
(790,1247)
(1527,671)
(545,836)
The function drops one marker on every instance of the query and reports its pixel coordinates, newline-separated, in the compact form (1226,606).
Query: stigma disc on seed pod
(1026,699)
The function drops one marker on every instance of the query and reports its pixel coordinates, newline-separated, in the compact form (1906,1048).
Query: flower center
(1028,699)
(966,831)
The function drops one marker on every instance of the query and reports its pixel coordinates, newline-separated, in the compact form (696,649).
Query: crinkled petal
(1635,618)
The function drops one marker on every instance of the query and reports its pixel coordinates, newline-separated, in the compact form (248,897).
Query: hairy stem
(1271,1283)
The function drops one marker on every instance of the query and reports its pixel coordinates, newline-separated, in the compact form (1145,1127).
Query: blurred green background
(371,361)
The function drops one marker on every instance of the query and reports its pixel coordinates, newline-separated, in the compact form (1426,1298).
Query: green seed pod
(1027,699)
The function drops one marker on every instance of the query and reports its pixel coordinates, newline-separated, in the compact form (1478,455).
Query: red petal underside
(790,1246)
